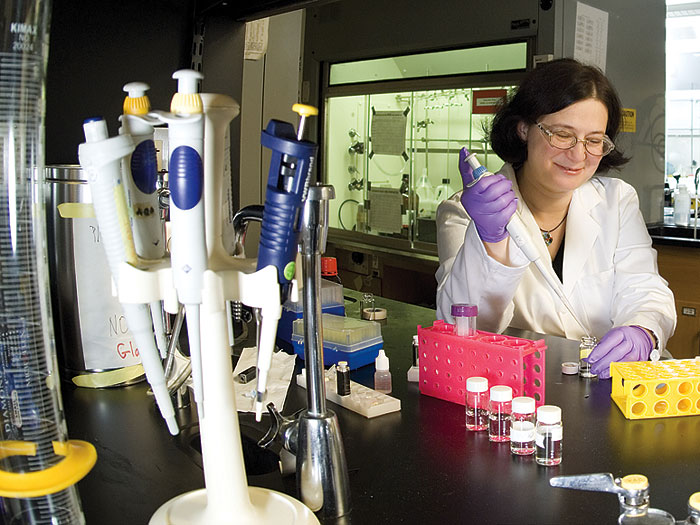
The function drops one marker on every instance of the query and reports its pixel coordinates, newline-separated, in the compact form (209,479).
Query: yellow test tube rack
(645,390)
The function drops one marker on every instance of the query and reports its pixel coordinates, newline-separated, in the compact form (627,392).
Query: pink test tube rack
(446,360)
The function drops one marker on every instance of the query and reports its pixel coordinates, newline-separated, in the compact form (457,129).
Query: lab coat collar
(582,230)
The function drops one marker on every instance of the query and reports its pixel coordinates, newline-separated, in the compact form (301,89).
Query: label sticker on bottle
(522,431)
(554,435)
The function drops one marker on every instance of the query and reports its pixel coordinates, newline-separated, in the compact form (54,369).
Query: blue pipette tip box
(345,339)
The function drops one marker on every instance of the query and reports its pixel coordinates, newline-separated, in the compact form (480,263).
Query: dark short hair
(547,89)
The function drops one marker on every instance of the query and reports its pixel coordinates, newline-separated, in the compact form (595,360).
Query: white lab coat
(610,273)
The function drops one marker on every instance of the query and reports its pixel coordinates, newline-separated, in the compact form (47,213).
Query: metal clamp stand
(322,473)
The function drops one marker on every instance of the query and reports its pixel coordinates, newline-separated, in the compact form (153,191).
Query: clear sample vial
(548,435)
(382,375)
(477,408)
(465,318)
(342,377)
(522,426)
(584,350)
(367,307)
(500,397)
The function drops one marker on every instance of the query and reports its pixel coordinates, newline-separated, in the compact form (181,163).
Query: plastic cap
(501,393)
(342,366)
(634,482)
(136,101)
(187,80)
(136,89)
(382,361)
(304,110)
(477,384)
(329,266)
(569,368)
(549,414)
(95,129)
(475,164)
(694,501)
(464,310)
(186,101)
(523,405)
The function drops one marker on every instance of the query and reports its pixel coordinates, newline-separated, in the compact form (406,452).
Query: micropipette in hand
(518,232)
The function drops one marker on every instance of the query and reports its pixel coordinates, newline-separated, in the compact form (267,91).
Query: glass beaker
(30,401)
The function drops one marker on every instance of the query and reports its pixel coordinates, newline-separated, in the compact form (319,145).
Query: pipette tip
(259,405)
(172,426)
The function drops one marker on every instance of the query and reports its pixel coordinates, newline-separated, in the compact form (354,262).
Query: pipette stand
(226,498)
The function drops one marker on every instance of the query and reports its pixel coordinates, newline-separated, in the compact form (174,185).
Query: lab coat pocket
(595,293)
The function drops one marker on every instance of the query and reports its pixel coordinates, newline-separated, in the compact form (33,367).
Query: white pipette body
(518,232)
(188,250)
(100,157)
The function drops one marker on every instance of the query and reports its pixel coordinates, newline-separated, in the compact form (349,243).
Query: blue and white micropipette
(188,250)
(140,176)
(100,157)
(518,232)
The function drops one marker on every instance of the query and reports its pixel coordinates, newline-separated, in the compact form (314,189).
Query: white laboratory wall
(270,88)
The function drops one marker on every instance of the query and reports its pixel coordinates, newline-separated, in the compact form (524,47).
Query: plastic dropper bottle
(382,375)
(681,207)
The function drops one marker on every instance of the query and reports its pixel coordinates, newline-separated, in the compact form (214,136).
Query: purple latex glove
(490,202)
(622,343)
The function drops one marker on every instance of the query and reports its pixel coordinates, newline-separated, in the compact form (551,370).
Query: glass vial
(477,408)
(367,307)
(522,426)
(500,398)
(415,350)
(342,377)
(382,375)
(465,318)
(585,348)
(548,435)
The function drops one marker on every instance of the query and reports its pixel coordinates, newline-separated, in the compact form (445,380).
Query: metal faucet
(314,436)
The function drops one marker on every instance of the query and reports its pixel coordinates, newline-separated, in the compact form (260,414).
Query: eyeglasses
(561,139)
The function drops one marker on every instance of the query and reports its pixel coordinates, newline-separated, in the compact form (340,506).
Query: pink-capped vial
(465,318)
(500,400)
(522,426)
(477,403)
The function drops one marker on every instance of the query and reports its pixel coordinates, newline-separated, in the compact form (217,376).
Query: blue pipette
(288,179)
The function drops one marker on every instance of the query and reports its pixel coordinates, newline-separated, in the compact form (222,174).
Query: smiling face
(555,171)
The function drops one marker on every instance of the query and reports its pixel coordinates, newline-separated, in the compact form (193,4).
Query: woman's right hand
(490,202)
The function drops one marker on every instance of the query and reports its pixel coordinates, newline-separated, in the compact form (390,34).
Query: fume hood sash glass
(486,59)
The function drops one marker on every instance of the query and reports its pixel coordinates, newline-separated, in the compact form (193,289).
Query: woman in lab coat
(557,135)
